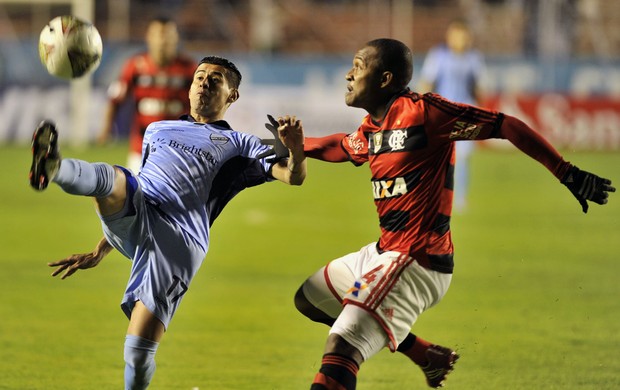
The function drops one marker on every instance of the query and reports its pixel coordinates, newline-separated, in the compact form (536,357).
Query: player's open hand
(71,264)
(291,132)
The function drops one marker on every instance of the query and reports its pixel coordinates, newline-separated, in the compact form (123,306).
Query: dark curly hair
(234,76)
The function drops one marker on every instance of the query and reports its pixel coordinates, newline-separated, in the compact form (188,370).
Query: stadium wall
(575,103)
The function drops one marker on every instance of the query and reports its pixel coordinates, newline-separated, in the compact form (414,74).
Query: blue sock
(79,177)
(139,362)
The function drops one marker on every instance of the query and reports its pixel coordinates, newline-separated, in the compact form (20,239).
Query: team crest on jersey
(397,139)
(218,139)
(465,130)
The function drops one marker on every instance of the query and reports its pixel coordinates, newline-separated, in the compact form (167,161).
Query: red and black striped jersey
(160,93)
(411,158)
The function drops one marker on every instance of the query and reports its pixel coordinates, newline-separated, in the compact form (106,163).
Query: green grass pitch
(533,302)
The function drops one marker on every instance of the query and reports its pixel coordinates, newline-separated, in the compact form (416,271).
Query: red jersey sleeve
(327,148)
(339,147)
(356,146)
(534,145)
(453,121)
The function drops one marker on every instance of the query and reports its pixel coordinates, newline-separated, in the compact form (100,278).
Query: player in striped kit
(156,82)
(371,298)
(161,217)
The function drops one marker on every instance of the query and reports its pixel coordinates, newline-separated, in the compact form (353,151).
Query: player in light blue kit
(454,70)
(160,218)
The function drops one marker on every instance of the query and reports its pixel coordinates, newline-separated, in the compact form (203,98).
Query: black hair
(234,76)
(394,56)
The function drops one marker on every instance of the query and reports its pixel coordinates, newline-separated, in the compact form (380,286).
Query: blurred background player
(454,70)
(155,82)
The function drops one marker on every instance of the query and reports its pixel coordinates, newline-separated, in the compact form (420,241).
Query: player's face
(210,95)
(458,38)
(364,80)
(162,40)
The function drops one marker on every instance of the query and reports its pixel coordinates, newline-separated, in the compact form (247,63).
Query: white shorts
(392,287)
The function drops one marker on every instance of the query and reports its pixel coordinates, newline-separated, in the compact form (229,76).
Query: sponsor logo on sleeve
(465,130)
(356,144)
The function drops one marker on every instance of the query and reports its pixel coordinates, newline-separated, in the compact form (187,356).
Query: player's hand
(587,186)
(279,151)
(71,264)
(291,133)
(81,261)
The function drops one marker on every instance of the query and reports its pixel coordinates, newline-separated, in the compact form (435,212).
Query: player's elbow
(297,179)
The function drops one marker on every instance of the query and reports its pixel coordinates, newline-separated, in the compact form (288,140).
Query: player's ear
(386,79)
(234,95)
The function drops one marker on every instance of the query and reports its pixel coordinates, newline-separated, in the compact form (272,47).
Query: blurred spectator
(157,81)
(454,70)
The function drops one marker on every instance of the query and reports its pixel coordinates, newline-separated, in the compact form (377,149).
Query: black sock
(337,372)
(407,343)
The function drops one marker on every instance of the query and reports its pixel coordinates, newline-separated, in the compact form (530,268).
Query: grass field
(534,302)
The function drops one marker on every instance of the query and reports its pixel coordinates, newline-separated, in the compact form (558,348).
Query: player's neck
(207,119)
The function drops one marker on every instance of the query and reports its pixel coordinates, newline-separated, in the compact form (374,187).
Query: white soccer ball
(70,47)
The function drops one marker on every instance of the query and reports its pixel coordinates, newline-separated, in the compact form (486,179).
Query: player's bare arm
(81,261)
(292,170)
(328,148)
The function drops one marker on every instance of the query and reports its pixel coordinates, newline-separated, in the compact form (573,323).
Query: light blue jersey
(453,75)
(181,161)
(190,171)
(456,76)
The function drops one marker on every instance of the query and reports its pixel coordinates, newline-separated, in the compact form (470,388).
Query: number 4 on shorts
(371,275)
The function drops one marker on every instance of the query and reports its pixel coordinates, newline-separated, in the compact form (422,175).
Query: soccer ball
(70,47)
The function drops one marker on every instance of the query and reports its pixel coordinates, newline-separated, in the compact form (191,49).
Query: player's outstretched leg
(45,155)
(435,361)
(74,176)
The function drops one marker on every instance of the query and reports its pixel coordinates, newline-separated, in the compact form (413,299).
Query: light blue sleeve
(251,146)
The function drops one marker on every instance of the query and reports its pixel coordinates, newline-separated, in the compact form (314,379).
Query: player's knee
(306,308)
(301,302)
